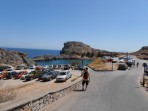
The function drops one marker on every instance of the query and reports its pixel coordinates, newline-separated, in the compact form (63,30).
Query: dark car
(67,67)
(11,75)
(129,64)
(2,68)
(32,75)
(50,75)
(122,67)
(44,72)
(19,67)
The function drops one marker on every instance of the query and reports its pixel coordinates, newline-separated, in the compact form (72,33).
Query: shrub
(97,63)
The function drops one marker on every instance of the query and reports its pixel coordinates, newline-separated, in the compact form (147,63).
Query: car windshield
(62,73)
(49,73)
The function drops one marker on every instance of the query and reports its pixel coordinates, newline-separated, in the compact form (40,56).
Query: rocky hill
(76,50)
(142,53)
(81,49)
(14,58)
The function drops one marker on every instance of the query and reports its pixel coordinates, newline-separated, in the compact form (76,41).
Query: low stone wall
(39,103)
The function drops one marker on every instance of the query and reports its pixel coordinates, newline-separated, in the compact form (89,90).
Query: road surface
(107,91)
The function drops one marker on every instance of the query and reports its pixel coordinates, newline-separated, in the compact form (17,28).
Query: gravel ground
(34,89)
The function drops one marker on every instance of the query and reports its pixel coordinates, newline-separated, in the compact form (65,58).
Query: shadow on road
(78,90)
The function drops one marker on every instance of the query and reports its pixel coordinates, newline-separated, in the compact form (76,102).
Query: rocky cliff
(81,49)
(76,50)
(14,58)
(142,53)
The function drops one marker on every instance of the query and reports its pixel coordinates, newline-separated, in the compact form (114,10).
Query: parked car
(115,60)
(8,68)
(60,66)
(32,67)
(67,67)
(3,75)
(19,74)
(50,66)
(33,75)
(23,77)
(11,75)
(44,72)
(129,63)
(50,75)
(19,67)
(121,60)
(55,66)
(122,66)
(63,75)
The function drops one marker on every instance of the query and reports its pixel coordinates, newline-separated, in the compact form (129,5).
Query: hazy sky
(113,25)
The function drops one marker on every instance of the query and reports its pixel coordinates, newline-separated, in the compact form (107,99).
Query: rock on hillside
(142,53)
(81,49)
(14,58)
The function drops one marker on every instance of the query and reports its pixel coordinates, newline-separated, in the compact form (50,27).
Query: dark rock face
(81,49)
(14,58)
(142,53)
(75,48)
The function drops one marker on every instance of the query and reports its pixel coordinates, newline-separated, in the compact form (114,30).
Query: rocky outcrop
(142,53)
(76,50)
(14,58)
(81,49)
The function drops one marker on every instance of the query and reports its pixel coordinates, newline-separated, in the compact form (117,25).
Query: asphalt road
(107,91)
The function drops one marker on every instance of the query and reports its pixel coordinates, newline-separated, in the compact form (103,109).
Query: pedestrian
(86,78)
(137,64)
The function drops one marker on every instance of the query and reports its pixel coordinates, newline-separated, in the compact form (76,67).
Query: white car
(63,75)
(24,76)
(121,60)
(115,60)
(10,68)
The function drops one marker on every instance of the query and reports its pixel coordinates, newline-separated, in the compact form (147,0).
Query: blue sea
(31,53)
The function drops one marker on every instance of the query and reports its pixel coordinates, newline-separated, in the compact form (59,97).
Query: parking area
(36,88)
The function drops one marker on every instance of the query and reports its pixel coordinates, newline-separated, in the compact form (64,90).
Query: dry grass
(97,64)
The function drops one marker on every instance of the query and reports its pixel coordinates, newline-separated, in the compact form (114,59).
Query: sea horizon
(31,53)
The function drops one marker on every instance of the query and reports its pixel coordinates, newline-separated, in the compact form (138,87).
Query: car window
(62,73)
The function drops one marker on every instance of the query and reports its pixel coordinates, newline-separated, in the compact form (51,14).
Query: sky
(112,25)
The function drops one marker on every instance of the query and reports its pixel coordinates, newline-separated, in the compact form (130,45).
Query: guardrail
(47,99)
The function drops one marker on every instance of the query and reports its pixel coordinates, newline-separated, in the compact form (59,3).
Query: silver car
(63,75)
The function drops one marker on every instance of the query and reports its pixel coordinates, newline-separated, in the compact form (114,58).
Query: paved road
(108,91)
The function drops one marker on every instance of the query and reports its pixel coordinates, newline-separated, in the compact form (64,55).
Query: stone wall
(39,103)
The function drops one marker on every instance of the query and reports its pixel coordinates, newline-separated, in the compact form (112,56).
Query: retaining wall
(39,103)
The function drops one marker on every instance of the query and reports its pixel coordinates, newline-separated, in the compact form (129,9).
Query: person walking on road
(137,64)
(86,78)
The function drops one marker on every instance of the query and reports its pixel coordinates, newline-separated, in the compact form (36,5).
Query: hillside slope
(14,58)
